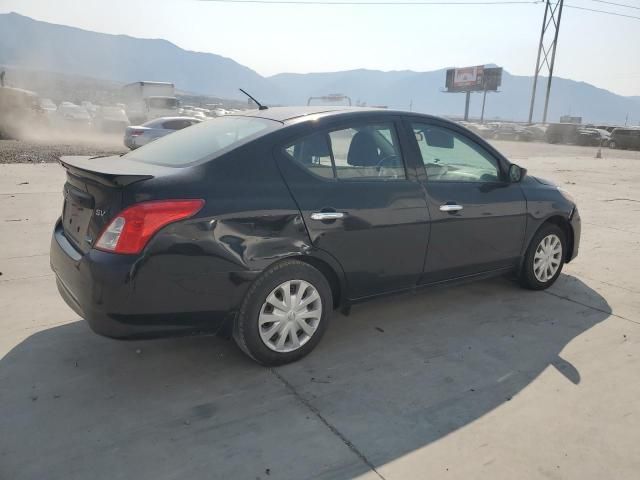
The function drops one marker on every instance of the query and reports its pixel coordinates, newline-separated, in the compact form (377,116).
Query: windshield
(203,141)
(162,102)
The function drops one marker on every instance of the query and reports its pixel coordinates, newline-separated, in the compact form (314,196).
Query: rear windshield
(202,141)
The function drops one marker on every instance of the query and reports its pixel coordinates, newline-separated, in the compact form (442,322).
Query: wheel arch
(323,262)
(563,223)
(335,280)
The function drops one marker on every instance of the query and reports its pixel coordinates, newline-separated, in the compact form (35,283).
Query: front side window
(363,152)
(451,157)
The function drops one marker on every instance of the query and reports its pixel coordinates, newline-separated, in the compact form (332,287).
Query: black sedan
(270,220)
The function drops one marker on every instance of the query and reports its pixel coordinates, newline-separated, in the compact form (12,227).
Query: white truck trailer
(148,100)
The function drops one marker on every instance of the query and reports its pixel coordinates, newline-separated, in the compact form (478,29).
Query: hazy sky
(600,49)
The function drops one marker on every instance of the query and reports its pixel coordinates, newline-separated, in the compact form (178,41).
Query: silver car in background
(137,136)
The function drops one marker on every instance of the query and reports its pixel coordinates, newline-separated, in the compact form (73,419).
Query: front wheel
(544,259)
(284,314)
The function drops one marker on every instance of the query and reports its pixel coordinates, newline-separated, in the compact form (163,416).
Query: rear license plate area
(76,215)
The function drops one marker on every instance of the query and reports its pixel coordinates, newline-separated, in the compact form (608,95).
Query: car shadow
(396,375)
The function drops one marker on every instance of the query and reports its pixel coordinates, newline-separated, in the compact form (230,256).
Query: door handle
(326,215)
(450,207)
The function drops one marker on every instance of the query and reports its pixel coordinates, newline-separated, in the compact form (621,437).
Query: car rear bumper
(124,296)
(130,143)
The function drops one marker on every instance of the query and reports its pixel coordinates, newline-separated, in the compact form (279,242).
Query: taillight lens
(132,229)
(136,133)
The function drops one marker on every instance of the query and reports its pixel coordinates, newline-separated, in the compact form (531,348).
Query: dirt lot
(50,149)
(478,381)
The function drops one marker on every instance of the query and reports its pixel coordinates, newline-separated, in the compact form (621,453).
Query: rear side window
(363,152)
(313,153)
(155,123)
(627,133)
(203,141)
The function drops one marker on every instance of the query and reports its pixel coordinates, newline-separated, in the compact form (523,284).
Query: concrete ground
(483,381)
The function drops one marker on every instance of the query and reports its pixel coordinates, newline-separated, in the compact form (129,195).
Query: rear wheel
(284,314)
(612,144)
(544,259)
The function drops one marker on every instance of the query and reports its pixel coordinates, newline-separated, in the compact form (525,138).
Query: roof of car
(284,114)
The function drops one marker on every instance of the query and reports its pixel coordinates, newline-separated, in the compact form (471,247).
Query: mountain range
(26,43)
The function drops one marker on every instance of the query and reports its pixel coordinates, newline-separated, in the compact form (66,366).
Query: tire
(252,332)
(612,144)
(533,275)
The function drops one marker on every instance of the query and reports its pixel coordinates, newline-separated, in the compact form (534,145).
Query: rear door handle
(326,215)
(450,207)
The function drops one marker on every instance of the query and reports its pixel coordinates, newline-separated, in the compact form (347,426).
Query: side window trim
(409,121)
(327,139)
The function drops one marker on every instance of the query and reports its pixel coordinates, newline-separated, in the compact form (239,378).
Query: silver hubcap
(290,316)
(546,260)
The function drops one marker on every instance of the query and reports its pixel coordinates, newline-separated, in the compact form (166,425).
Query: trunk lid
(94,192)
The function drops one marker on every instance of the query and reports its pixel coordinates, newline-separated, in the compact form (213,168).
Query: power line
(602,11)
(427,3)
(625,5)
(369,3)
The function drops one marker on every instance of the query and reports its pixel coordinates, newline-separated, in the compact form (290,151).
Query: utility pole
(484,99)
(466,106)
(550,22)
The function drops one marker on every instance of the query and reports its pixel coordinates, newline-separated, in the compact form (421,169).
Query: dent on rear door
(257,221)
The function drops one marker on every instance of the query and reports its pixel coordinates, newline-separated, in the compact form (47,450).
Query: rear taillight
(132,229)
(136,133)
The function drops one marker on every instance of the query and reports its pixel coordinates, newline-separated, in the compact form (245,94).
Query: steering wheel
(387,159)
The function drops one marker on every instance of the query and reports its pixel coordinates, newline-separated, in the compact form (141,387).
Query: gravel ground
(20,151)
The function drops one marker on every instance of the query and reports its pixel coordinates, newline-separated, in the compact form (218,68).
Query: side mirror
(516,173)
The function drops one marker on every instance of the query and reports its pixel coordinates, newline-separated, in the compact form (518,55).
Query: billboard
(473,79)
(467,77)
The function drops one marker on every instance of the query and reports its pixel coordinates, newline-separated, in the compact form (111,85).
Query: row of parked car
(565,133)
(85,116)
(594,135)
(113,119)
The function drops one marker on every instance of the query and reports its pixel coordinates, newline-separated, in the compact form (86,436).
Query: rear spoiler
(112,171)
